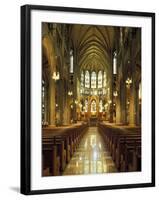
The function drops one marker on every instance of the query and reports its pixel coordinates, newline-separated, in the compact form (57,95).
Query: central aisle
(91,156)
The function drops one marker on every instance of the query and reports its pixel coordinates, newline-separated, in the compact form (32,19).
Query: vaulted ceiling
(94,45)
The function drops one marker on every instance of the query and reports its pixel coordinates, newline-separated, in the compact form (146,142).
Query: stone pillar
(137,107)
(132,106)
(123,102)
(75,77)
(132,113)
(52,101)
(66,120)
(60,100)
(111,93)
(118,109)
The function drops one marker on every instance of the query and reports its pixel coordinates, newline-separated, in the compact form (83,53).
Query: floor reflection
(91,156)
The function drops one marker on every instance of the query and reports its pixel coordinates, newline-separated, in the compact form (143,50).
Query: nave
(91,157)
(91,97)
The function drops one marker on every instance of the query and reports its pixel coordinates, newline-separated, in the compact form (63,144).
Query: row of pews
(58,146)
(124,145)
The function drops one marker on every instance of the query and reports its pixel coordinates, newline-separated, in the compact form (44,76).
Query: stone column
(75,76)
(137,107)
(132,113)
(118,108)
(111,92)
(52,101)
(66,120)
(123,102)
(60,100)
(132,106)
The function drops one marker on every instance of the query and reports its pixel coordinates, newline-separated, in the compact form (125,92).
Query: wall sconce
(76,102)
(128,82)
(115,93)
(56,76)
(109,101)
(70,93)
(71,106)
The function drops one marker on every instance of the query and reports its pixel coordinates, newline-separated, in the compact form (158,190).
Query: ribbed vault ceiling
(94,45)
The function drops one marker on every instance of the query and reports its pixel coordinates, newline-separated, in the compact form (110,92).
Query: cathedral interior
(91,99)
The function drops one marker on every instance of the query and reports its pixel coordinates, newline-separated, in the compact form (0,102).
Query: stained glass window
(82,79)
(115,63)
(87,79)
(93,80)
(140,91)
(104,80)
(71,61)
(100,79)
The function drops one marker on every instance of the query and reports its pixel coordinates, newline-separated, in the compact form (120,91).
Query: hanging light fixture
(76,101)
(115,93)
(109,101)
(128,82)
(56,76)
(70,93)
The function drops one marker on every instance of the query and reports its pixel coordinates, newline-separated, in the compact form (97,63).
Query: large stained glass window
(104,79)
(100,79)
(87,79)
(71,61)
(82,79)
(93,80)
(115,63)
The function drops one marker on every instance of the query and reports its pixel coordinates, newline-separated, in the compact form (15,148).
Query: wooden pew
(128,148)
(58,145)
(124,145)
(51,159)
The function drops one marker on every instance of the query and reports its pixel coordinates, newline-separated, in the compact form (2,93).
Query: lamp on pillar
(115,93)
(56,76)
(109,101)
(70,93)
(128,82)
(76,102)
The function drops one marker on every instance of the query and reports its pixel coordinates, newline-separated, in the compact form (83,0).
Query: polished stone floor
(91,156)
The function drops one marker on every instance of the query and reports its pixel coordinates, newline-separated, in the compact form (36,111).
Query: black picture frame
(26,98)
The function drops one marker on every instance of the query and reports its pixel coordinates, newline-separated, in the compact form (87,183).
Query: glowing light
(76,102)
(94,155)
(115,93)
(128,82)
(56,76)
(109,101)
(70,93)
